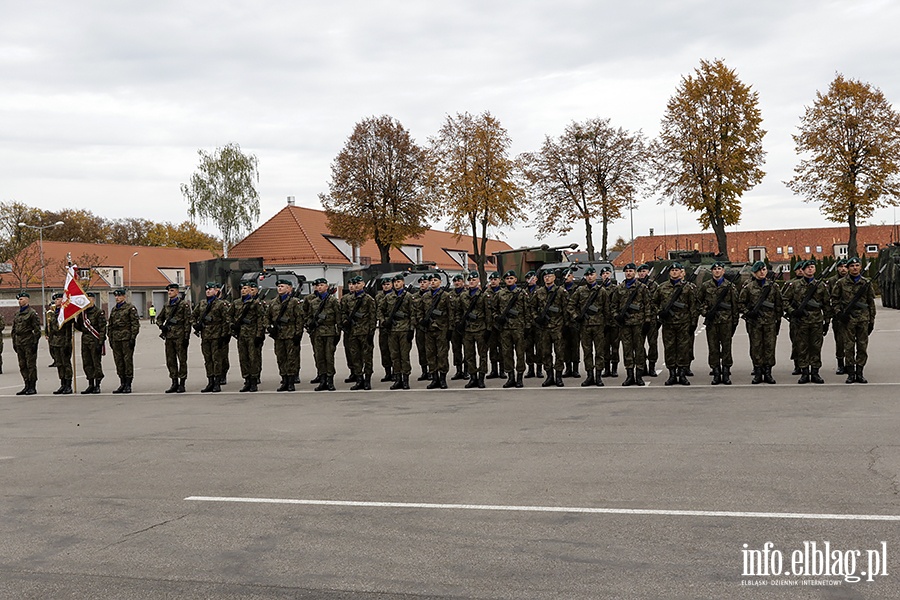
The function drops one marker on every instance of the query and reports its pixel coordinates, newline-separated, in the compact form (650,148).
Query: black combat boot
(121,387)
(614,369)
(67,389)
(673,377)
(472,383)
(174,387)
(530,372)
(97,385)
(797,370)
(354,378)
(814,375)
(435,382)
(223,380)
(598,379)
(804,375)
(589,380)
(841,370)
(25,386)
(281,388)
(575,372)
(210,384)
(510,382)
(254,382)
(296,378)
(568,371)
(181,383)
(127,388)
(89,389)
(367,381)
(290,384)
(716,376)
(388,375)
(629,377)
(329,383)
(62,384)
(550,380)
(425,376)
(651,369)
(246,387)
(559,381)
(480,380)
(687,371)
(519,383)
(683,377)
(398,382)
(404,381)
(859,376)
(217,387)
(458,375)
(606,371)
(767,375)
(495,373)
(443,379)
(726,375)
(639,377)
(757,375)
(323,383)
(851,374)
(540,371)
(360,383)
(32,388)
(318,378)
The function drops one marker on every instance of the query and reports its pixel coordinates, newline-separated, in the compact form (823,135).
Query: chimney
(290,201)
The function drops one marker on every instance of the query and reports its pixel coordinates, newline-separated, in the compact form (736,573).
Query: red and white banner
(74,298)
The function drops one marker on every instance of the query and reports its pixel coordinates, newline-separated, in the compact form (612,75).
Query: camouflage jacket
(817,309)
(212,319)
(473,312)
(398,312)
(549,306)
(770,310)
(863,310)
(26,327)
(682,310)
(638,311)
(323,319)
(174,320)
(358,314)
(58,336)
(286,318)
(727,310)
(123,323)
(597,313)
(91,322)
(437,310)
(249,318)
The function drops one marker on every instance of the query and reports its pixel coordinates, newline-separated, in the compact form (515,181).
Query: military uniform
(718,303)
(495,351)
(174,322)
(589,308)
(384,348)
(651,339)
(212,323)
(631,310)
(853,301)
(286,320)
(677,311)
(532,355)
(26,333)
(323,312)
(437,316)
(60,340)
(763,316)
(91,322)
(398,315)
(809,307)
(223,350)
(249,320)
(571,335)
(358,311)
(549,306)
(611,334)
(456,334)
(837,327)
(511,314)
(419,297)
(123,326)
(474,316)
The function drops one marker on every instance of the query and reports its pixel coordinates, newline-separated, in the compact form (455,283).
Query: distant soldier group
(505,330)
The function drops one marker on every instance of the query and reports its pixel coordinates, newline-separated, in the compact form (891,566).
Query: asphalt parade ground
(747,491)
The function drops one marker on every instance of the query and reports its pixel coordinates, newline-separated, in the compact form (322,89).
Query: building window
(779,250)
(872,248)
(818,249)
(757,253)
(84,273)
(840,250)
(790,249)
(116,278)
(806,250)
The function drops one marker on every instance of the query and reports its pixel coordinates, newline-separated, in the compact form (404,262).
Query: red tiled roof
(297,235)
(144,267)
(647,248)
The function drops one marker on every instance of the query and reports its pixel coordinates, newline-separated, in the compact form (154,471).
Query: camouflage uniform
(323,321)
(630,308)
(495,351)
(122,328)
(358,311)
(26,333)
(511,313)
(677,325)
(532,354)
(837,328)
(809,324)
(436,318)
(456,338)
(91,322)
(762,326)
(858,319)
(589,308)
(611,336)
(719,296)
(571,338)
(286,317)
(651,339)
(212,322)
(419,297)
(250,319)
(398,314)
(224,348)
(549,306)
(384,348)
(474,316)
(60,339)
(174,322)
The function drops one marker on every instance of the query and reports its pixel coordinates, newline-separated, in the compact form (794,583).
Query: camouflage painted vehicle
(697,268)
(267,282)
(522,260)
(411,275)
(888,278)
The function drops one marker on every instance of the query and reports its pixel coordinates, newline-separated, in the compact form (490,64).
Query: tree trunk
(385,251)
(224,248)
(474,223)
(718,226)
(851,243)
(481,256)
(589,234)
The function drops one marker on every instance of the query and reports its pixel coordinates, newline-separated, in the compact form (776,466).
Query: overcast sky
(104,104)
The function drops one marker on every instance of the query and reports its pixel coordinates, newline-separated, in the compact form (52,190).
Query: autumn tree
(130,231)
(709,150)
(223,191)
(593,171)
(378,188)
(183,235)
(852,137)
(80,225)
(475,179)
(13,236)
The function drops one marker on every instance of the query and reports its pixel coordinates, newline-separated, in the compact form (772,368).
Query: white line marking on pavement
(551,509)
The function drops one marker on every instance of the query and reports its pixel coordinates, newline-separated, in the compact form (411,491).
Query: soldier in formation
(549,305)
(437,322)
(285,326)
(762,307)
(473,317)
(718,303)
(91,322)
(174,322)
(323,323)
(212,324)
(123,326)
(853,300)
(675,307)
(589,310)
(60,340)
(808,306)
(398,318)
(511,315)
(26,333)
(632,312)
(358,311)
(248,327)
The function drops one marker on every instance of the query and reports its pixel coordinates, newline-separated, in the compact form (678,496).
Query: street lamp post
(40,229)
(129,273)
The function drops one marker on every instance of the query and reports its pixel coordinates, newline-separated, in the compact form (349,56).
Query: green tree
(852,137)
(378,188)
(709,150)
(223,191)
(475,179)
(592,171)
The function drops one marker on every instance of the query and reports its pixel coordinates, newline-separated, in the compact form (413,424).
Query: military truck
(227,271)
(267,280)
(889,277)
(411,274)
(522,260)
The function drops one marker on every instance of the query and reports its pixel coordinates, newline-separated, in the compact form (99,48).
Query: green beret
(718,265)
(435,276)
(801,264)
(550,272)
(510,274)
(676,265)
(423,278)
(251,283)
(285,282)
(590,271)
(385,280)
(212,285)
(458,277)
(56,295)
(631,266)
(644,267)
(398,277)
(605,270)
(173,286)
(119,292)
(853,261)
(473,275)
(494,275)
(530,274)
(23,295)
(90,294)
(357,279)
(320,281)
(841,263)
(755,267)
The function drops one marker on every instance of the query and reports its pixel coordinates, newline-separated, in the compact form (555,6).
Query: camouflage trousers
(719,337)
(512,349)
(384,348)
(550,348)
(456,343)
(856,343)
(495,350)
(807,344)
(594,346)
(763,337)
(123,356)
(652,343)
(212,356)
(400,348)
(27,355)
(571,344)
(632,338)
(249,357)
(92,360)
(437,349)
(531,353)
(612,343)
(286,357)
(324,347)
(359,349)
(62,356)
(176,357)
(837,329)
(420,349)
(677,344)
(475,349)
(224,350)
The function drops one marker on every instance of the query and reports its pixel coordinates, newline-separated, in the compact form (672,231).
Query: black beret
(173,286)
(23,295)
